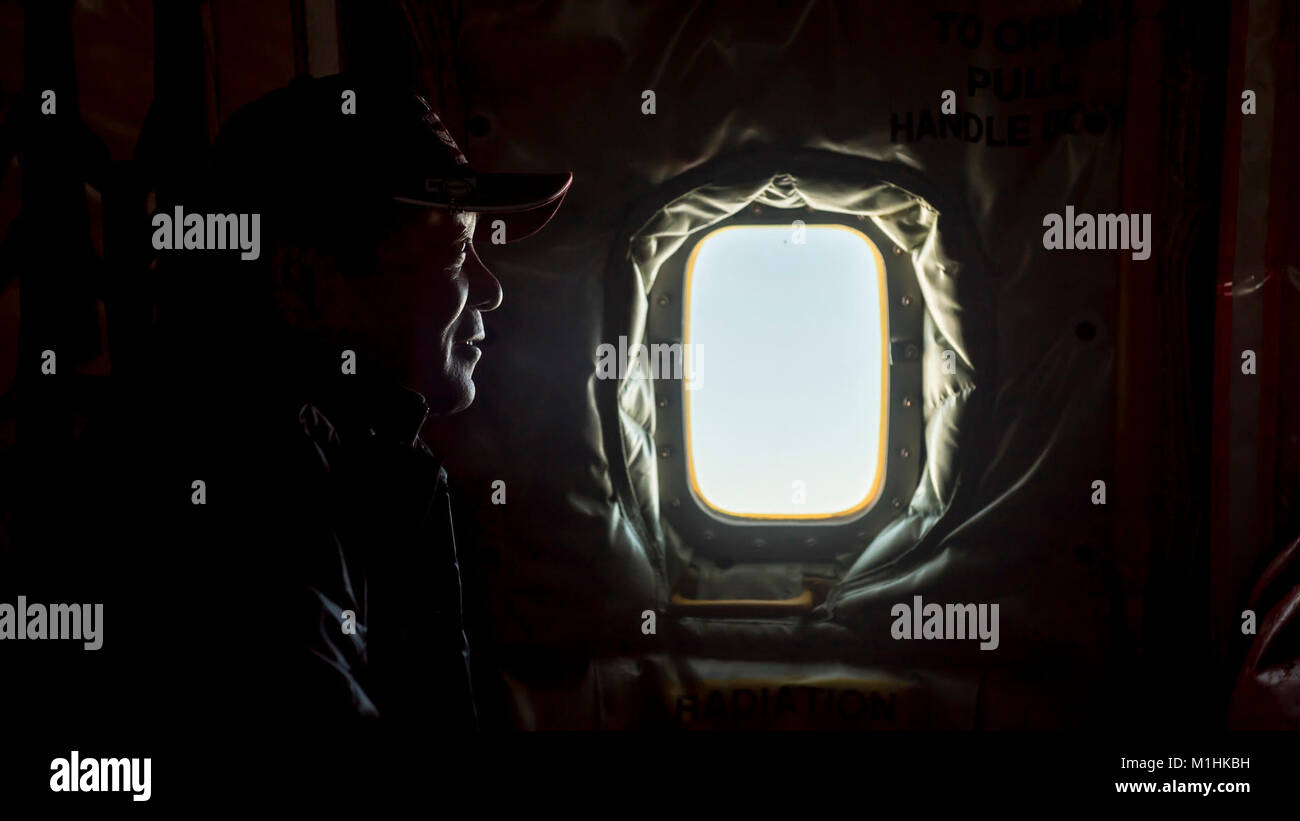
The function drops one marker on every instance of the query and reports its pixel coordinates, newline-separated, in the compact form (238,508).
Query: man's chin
(447,402)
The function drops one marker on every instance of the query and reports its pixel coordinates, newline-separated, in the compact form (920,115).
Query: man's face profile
(443,289)
(416,316)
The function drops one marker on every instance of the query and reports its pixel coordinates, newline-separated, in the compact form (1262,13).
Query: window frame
(728,538)
(876,487)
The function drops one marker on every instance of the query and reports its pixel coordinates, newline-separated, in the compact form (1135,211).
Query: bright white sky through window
(790,372)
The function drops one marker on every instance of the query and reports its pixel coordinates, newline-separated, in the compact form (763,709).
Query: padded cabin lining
(948,268)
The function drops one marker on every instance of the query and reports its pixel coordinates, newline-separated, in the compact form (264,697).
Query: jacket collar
(385,410)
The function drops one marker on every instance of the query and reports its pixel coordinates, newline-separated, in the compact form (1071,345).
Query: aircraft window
(787,396)
(793,428)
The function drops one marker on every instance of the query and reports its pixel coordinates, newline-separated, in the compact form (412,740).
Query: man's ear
(302,283)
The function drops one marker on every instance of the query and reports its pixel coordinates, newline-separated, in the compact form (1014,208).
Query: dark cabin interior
(1000,429)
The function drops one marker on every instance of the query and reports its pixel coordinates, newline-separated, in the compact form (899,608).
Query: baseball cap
(322,152)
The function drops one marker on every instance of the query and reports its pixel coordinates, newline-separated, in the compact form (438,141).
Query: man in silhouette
(361,317)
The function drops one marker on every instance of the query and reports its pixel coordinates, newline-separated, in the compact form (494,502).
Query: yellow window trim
(873,491)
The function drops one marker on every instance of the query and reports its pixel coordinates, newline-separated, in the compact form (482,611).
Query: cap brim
(524,202)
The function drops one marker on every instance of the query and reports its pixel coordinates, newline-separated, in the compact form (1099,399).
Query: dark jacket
(372,622)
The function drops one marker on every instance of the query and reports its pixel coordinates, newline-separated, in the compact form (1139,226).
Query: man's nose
(484,288)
